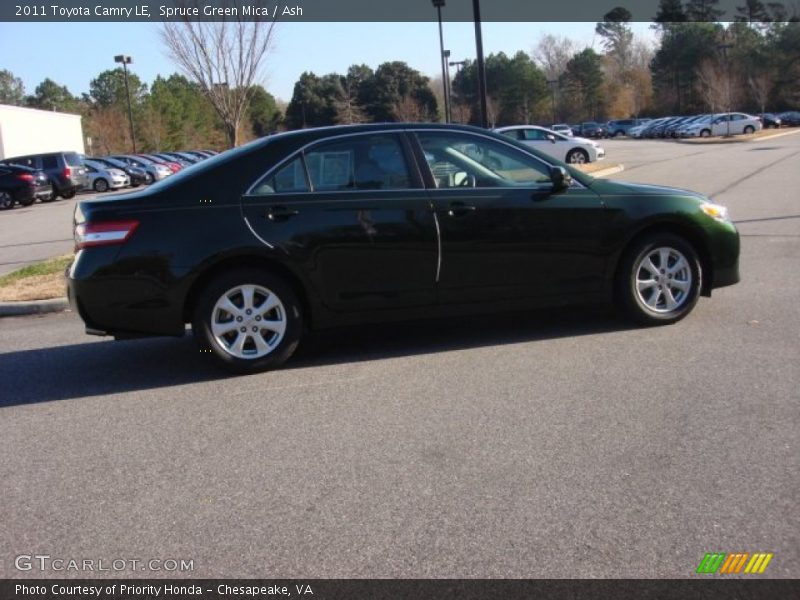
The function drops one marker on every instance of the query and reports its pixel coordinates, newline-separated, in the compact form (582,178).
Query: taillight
(104,233)
(25,177)
(67,172)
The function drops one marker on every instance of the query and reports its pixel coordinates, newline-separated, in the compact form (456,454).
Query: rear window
(72,159)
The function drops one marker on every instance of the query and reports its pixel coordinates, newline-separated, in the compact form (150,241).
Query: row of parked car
(705,125)
(46,176)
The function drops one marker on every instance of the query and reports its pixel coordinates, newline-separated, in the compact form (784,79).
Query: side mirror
(561,179)
(552,138)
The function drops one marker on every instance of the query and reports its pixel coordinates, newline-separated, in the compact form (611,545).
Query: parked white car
(103,178)
(574,150)
(563,129)
(725,124)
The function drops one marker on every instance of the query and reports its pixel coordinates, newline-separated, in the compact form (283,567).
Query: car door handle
(280,213)
(459,209)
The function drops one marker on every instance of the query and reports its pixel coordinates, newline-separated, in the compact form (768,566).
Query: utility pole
(126,60)
(443,59)
(476,10)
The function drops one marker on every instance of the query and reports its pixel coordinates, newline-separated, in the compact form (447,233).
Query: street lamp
(476,11)
(443,59)
(127,60)
(448,91)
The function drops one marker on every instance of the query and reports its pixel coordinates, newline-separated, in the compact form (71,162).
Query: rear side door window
(365,162)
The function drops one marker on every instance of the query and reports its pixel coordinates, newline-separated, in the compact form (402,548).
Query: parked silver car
(103,178)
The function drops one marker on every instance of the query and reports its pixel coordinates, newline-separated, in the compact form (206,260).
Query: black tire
(53,196)
(6,200)
(631,271)
(749,129)
(705,133)
(577,156)
(100,185)
(27,201)
(148,178)
(224,351)
(69,194)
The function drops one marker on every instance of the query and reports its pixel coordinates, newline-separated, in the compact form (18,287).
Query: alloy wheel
(663,280)
(248,321)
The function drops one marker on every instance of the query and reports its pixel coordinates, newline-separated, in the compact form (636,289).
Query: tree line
(696,64)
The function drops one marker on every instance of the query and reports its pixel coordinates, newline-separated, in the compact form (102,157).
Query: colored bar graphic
(711,562)
(734,562)
(729,564)
(759,562)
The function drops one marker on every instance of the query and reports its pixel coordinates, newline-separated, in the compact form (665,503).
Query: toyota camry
(368,223)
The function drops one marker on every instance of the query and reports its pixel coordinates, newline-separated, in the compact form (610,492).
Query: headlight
(716,212)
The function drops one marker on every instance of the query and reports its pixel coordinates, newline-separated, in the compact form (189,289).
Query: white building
(30,131)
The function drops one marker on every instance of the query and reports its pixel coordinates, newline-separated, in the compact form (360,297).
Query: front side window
(365,162)
(464,160)
(535,135)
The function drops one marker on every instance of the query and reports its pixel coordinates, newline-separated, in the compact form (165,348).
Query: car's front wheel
(249,319)
(577,156)
(100,185)
(659,279)
(749,130)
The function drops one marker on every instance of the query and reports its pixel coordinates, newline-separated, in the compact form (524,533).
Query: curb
(608,171)
(735,139)
(33,307)
(776,135)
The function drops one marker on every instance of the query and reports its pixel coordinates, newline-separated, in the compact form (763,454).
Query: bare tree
(348,109)
(223,57)
(760,85)
(715,85)
(409,110)
(551,54)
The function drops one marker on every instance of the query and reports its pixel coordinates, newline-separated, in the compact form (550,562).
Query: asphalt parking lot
(38,232)
(565,444)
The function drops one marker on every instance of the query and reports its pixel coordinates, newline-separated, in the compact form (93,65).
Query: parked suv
(65,170)
(21,185)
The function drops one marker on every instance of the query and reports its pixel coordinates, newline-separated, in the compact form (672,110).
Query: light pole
(127,60)
(448,90)
(553,83)
(443,59)
(724,48)
(476,11)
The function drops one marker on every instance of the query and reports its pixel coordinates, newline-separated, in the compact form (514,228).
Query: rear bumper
(123,302)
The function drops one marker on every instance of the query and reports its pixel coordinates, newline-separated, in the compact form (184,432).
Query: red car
(173,166)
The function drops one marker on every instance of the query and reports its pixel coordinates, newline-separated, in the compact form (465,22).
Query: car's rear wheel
(659,279)
(69,194)
(6,201)
(249,319)
(26,200)
(100,185)
(705,133)
(577,156)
